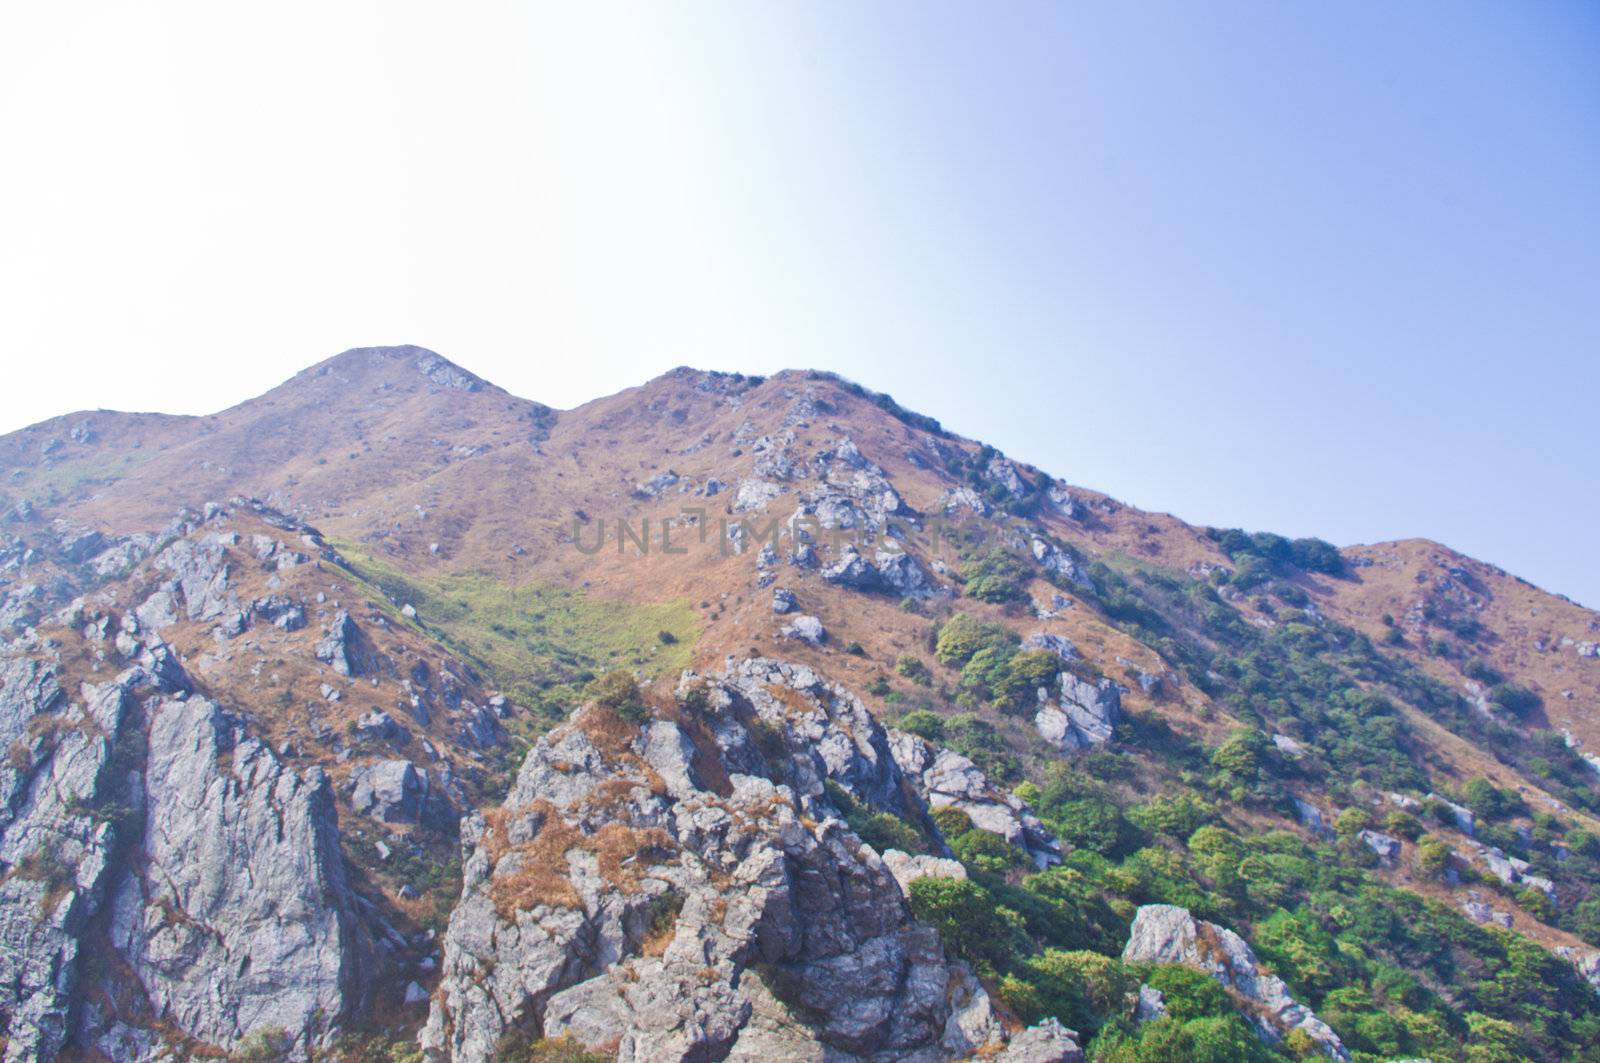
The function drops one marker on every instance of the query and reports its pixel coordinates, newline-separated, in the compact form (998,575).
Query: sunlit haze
(1326,270)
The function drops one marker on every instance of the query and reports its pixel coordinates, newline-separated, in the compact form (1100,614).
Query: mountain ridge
(714,636)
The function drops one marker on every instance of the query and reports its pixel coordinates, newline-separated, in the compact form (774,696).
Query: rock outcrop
(685,890)
(1165,933)
(58,836)
(1086,714)
(946,779)
(239,919)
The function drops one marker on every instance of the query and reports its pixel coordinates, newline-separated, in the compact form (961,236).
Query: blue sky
(1321,269)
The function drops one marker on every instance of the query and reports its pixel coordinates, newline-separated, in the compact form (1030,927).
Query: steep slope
(921,730)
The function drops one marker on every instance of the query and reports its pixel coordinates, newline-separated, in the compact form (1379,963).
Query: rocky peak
(685,884)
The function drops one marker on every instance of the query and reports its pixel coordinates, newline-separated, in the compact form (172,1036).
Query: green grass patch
(52,482)
(540,643)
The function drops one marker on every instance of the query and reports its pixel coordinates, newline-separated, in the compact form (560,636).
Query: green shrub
(912,668)
(986,852)
(963,635)
(929,725)
(971,924)
(996,576)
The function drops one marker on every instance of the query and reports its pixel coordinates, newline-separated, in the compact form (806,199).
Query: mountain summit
(391,716)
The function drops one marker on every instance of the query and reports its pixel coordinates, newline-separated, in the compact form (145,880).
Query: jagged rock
(827,734)
(1003,473)
(806,629)
(754,494)
(1387,846)
(550,934)
(1086,715)
(957,498)
(20,608)
(783,600)
(1288,746)
(947,779)
(380,726)
(337,647)
(1479,912)
(852,571)
(76,545)
(907,867)
(1165,933)
(58,850)
(480,727)
(1310,817)
(158,611)
(281,612)
(1065,504)
(391,790)
(1059,563)
(1047,1042)
(899,572)
(656,485)
(1059,645)
(240,919)
(201,570)
(778,463)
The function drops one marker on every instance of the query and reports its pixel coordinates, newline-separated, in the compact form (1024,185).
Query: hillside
(390,715)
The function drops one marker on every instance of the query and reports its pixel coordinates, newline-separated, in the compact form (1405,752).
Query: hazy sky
(1325,269)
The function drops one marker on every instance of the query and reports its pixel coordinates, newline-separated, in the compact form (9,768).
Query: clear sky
(1319,268)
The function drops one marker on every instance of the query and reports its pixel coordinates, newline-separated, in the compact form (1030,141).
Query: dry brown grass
(540,877)
(610,733)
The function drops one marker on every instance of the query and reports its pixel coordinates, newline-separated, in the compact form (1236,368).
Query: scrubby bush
(929,725)
(985,934)
(996,576)
(962,636)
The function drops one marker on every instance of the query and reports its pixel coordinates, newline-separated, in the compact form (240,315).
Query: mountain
(390,716)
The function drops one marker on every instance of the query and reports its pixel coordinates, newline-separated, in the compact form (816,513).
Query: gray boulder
(1085,716)
(391,790)
(806,629)
(337,648)
(1047,1042)
(1387,846)
(1165,933)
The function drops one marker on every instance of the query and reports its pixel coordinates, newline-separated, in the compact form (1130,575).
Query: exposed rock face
(1048,1042)
(394,791)
(949,780)
(338,647)
(1466,822)
(788,932)
(57,842)
(1059,645)
(240,919)
(908,867)
(754,494)
(200,569)
(852,571)
(894,571)
(805,629)
(1086,715)
(1059,563)
(1165,933)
